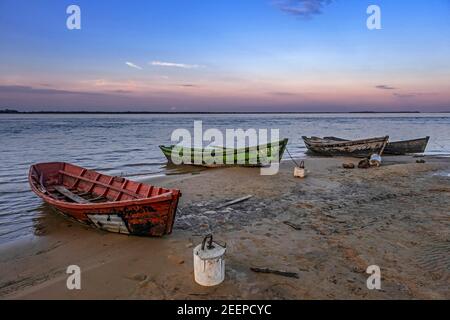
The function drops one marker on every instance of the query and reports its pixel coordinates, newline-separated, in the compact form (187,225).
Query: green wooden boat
(256,156)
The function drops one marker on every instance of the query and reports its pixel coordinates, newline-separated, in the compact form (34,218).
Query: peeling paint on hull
(256,156)
(356,148)
(111,223)
(407,147)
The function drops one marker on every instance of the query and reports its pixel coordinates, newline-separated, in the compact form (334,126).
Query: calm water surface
(128,145)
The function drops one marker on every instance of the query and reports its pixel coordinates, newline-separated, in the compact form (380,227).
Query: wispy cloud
(121,91)
(132,65)
(404,95)
(22,90)
(302,8)
(174,65)
(414,94)
(283,94)
(188,85)
(385,87)
(27,89)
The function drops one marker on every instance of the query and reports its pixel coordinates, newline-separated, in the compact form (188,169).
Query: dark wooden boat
(407,146)
(255,156)
(109,203)
(400,147)
(339,147)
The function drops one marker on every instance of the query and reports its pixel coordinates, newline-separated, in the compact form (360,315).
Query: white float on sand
(300,171)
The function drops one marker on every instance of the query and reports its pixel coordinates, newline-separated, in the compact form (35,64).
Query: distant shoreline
(7,111)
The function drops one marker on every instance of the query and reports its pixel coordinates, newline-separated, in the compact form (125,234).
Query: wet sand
(396,216)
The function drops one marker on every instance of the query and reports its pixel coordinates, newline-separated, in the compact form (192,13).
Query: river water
(127,145)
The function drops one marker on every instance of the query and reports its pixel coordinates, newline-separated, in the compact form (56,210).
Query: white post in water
(209,263)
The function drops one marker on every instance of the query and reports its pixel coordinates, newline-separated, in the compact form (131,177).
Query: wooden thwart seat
(69,194)
(104,185)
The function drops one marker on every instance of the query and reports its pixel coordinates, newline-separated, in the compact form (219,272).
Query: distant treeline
(192,112)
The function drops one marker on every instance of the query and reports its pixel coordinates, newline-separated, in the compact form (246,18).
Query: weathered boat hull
(256,156)
(399,147)
(355,148)
(407,146)
(126,206)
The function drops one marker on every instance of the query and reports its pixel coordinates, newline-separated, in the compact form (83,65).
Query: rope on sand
(295,162)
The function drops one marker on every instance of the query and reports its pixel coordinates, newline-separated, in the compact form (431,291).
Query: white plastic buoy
(375,160)
(209,263)
(300,171)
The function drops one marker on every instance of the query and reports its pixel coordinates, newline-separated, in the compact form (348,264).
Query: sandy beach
(396,216)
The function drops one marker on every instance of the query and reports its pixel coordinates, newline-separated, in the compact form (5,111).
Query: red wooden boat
(109,203)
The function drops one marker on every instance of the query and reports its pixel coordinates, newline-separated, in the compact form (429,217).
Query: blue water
(128,145)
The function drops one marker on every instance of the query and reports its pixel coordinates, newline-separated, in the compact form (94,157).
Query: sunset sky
(225,55)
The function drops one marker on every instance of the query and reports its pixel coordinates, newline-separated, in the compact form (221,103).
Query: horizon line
(11,111)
